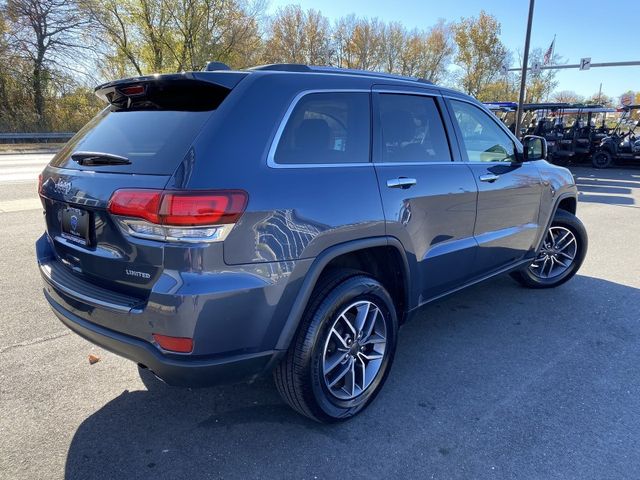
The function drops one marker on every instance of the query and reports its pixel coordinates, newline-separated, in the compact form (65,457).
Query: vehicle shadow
(474,373)
(616,186)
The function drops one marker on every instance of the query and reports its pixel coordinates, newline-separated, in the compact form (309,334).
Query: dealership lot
(493,382)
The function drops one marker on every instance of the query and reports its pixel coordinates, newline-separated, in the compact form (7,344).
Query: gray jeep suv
(215,226)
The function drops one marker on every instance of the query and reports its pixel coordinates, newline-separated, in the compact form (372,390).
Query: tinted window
(154,128)
(327,128)
(154,141)
(412,130)
(483,139)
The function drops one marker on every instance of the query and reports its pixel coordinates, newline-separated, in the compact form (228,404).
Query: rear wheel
(602,159)
(342,353)
(561,255)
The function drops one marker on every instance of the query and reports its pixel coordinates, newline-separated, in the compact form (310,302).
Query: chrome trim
(401,182)
(283,123)
(46,270)
(489,177)
(219,234)
(410,164)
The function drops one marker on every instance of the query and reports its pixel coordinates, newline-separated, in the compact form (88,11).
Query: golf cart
(570,129)
(621,144)
(506,112)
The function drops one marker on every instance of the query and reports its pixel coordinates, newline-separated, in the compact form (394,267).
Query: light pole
(525,62)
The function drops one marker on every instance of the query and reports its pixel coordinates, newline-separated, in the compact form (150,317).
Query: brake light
(136,203)
(39,184)
(133,90)
(186,216)
(179,208)
(174,344)
(202,209)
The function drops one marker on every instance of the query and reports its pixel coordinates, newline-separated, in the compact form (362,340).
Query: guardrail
(35,137)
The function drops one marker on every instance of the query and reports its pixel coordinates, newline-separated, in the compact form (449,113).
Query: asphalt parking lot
(494,382)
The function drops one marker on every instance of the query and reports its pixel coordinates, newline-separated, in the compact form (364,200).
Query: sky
(603,30)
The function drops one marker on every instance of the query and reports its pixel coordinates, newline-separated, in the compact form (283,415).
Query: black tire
(602,159)
(300,378)
(564,219)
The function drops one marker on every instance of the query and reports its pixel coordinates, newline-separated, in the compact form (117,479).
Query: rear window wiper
(99,158)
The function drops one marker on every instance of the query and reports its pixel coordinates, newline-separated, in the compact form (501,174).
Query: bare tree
(48,35)
(298,36)
(567,96)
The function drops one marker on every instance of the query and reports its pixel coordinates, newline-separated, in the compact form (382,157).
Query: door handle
(489,177)
(401,182)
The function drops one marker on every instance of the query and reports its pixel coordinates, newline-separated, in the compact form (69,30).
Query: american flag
(549,53)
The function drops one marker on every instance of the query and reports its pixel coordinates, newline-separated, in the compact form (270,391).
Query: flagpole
(523,78)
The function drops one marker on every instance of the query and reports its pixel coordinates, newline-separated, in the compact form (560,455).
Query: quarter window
(327,128)
(412,129)
(483,139)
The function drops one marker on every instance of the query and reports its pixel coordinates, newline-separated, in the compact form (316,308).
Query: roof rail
(299,67)
(283,67)
(215,66)
(367,73)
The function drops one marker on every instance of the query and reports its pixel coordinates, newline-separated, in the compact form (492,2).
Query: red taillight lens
(39,184)
(202,209)
(179,208)
(136,203)
(174,344)
(133,90)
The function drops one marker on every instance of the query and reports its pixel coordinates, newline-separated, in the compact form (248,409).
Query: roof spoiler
(178,91)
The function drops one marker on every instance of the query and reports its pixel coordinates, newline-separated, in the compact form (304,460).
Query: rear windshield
(155,141)
(152,128)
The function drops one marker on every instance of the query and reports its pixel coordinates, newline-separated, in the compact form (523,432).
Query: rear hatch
(138,141)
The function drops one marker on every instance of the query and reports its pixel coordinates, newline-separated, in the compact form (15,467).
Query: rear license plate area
(76,225)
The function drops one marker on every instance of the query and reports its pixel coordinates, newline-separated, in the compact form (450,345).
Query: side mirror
(535,148)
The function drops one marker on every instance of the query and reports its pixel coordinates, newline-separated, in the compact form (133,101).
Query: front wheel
(602,159)
(561,254)
(343,350)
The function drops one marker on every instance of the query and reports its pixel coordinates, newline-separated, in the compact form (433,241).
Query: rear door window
(412,129)
(326,128)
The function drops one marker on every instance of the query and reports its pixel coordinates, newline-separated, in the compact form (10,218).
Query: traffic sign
(585,63)
(626,99)
(536,67)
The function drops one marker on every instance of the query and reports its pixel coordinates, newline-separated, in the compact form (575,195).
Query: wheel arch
(567,202)
(350,255)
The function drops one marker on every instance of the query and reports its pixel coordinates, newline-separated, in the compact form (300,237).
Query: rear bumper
(186,371)
(234,317)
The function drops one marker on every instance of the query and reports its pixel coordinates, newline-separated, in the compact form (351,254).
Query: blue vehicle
(220,225)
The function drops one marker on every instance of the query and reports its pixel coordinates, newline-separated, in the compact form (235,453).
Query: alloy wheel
(354,350)
(557,254)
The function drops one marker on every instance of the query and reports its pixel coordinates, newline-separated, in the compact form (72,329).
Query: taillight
(202,209)
(133,90)
(184,216)
(137,204)
(39,184)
